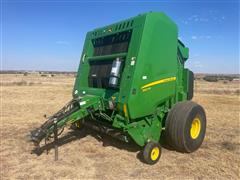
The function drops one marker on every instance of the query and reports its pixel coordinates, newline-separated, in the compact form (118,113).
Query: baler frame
(143,61)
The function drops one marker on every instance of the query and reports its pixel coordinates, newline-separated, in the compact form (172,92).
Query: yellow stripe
(159,82)
(125,110)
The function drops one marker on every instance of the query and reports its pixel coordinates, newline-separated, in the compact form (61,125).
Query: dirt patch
(230,146)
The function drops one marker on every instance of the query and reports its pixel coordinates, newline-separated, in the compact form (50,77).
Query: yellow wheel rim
(195,128)
(155,153)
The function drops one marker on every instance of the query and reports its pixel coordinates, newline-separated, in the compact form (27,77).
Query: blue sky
(49,35)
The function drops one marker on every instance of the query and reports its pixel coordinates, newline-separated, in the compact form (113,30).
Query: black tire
(185,126)
(152,153)
(78,125)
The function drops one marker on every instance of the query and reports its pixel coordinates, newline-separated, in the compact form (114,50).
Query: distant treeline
(36,72)
(215,78)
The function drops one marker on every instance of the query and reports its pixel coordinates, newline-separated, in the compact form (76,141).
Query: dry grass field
(25,99)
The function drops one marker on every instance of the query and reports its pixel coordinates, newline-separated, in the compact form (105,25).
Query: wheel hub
(155,153)
(195,128)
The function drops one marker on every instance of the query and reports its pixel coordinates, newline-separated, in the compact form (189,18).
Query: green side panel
(188,83)
(156,60)
(83,69)
(185,79)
